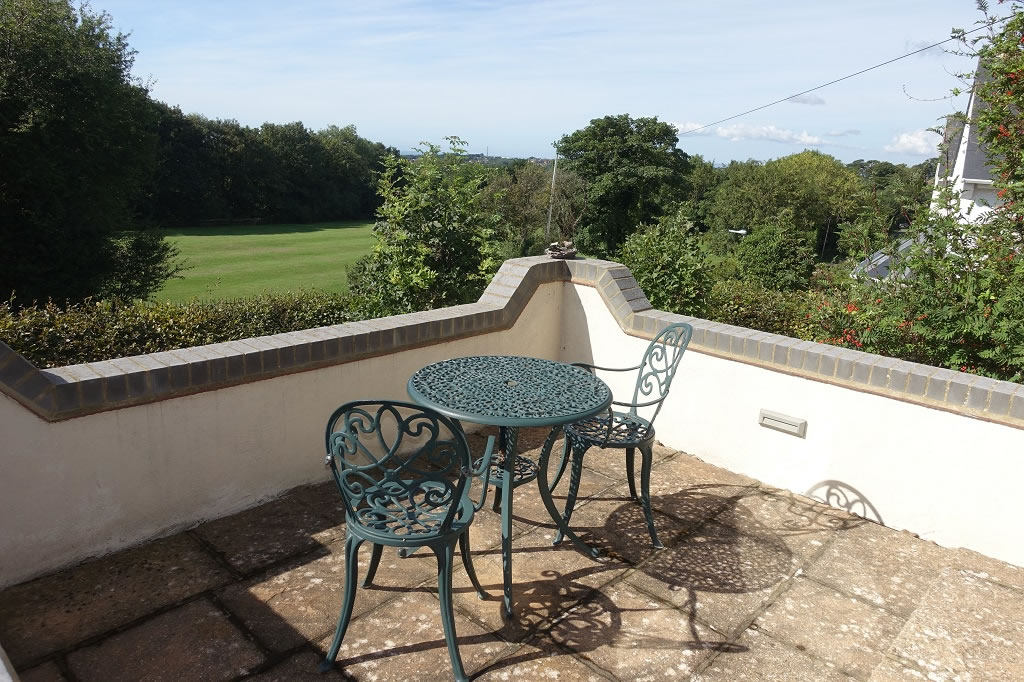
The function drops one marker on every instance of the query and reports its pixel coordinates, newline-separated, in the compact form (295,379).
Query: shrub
(776,255)
(748,304)
(669,266)
(51,335)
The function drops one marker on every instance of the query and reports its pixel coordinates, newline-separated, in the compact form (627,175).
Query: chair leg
(645,491)
(374,562)
(467,561)
(445,555)
(351,574)
(630,452)
(561,465)
(575,474)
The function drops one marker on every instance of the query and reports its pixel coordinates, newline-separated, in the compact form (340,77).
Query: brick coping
(79,390)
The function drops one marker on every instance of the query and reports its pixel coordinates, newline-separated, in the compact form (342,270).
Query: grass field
(241,260)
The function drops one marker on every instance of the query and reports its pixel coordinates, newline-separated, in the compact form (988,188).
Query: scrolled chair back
(658,366)
(401,468)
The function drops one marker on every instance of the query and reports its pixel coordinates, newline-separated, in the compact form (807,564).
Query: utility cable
(825,85)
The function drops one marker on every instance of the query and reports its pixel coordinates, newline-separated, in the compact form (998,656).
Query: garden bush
(669,265)
(50,335)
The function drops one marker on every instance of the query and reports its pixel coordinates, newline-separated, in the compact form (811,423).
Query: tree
(634,173)
(813,190)
(79,129)
(434,242)
(518,194)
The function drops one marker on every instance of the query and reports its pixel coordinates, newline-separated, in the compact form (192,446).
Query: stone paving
(754,584)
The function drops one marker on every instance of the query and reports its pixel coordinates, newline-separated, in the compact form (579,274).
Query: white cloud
(693,128)
(923,142)
(806,99)
(843,133)
(933,51)
(743,131)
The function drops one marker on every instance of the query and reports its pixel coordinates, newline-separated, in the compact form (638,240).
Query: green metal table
(511,392)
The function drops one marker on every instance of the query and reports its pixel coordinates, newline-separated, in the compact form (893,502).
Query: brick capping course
(78,390)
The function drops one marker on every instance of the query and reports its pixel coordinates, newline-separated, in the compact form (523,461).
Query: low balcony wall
(100,456)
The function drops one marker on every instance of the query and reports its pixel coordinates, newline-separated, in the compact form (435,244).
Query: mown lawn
(241,260)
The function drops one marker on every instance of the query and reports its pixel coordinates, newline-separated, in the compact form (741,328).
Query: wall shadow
(845,497)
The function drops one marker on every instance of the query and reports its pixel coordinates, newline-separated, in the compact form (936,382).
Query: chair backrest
(402,469)
(658,366)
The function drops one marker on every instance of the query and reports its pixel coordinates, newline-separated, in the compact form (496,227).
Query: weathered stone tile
(195,642)
(55,612)
(260,536)
(612,462)
(616,525)
(634,636)
(966,628)
(302,667)
(47,672)
(987,568)
(688,474)
(756,657)
(323,499)
(802,525)
(301,601)
(888,568)
(403,640)
(546,581)
(540,661)
(718,574)
(895,671)
(854,636)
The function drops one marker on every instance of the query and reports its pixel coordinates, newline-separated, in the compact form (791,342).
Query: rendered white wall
(949,478)
(91,485)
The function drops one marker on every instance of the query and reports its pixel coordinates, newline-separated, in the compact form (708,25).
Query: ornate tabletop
(508,390)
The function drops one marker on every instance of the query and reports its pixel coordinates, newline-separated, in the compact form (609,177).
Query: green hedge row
(52,336)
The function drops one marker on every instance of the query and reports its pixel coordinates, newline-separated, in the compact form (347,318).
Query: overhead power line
(825,85)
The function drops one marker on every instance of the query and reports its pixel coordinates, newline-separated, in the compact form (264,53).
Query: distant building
(970,176)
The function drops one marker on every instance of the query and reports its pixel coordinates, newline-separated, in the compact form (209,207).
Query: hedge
(52,336)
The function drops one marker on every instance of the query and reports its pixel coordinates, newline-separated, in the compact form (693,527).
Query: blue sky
(512,77)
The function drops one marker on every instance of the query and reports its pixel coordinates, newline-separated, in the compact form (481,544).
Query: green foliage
(219,170)
(434,242)
(634,173)
(78,141)
(51,335)
(961,306)
(669,266)
(814,192)
(748,304)
(776,255)
(517,195)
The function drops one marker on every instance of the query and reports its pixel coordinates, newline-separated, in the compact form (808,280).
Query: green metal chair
(405,474)
(627,429)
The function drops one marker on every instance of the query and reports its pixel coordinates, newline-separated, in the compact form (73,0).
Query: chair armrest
(586,365)
(484,471)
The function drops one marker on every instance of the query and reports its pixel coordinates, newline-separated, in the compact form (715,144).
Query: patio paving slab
(543,661)
(47,672)
(886,567)
(754,583)
(258,537)
(546,581)
(300,601)
(192,642)
(722,576)
(404,640)
(52,613)
(854,636)
(635,636)
(756,657)
(967,628)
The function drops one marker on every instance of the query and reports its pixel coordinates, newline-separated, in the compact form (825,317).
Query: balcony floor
(754,584)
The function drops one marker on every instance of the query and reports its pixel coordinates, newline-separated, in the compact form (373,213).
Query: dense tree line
(217,170)
(93,167)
